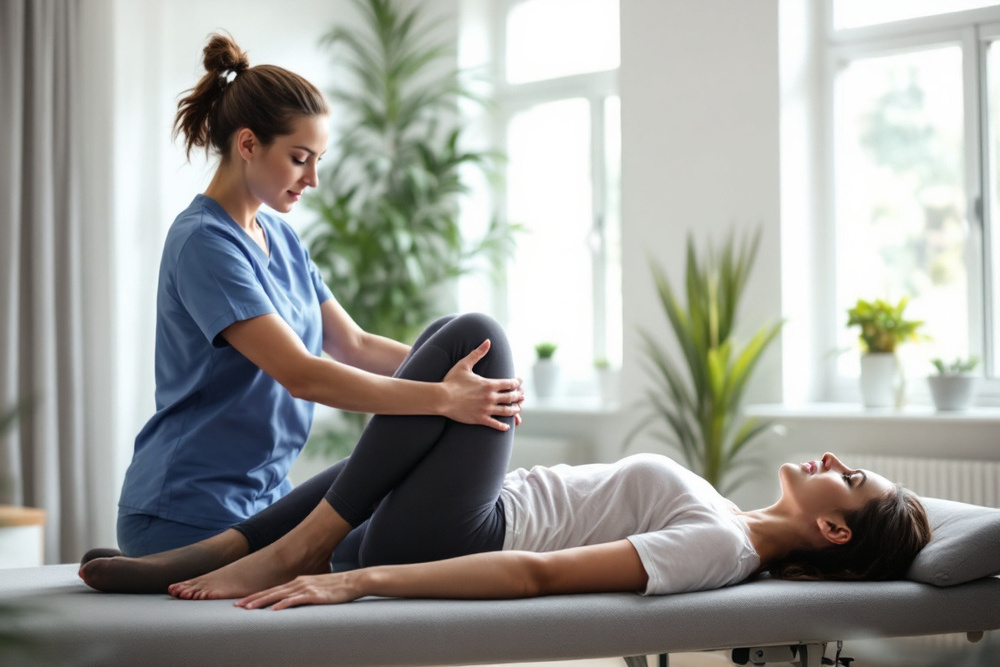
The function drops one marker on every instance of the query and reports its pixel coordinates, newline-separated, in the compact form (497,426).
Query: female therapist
(243,317)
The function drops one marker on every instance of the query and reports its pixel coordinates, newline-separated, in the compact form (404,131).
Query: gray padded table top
(73,625)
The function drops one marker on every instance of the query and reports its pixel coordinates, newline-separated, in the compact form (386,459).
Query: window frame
(971,31)
(509,99)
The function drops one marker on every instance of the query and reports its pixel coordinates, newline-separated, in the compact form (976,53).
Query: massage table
(951,588)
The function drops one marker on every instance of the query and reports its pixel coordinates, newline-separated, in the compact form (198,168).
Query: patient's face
(827,486)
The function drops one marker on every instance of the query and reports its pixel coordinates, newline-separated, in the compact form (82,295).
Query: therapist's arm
(349,344)
(275,348)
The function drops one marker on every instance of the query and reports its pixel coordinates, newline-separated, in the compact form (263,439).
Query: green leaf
(697,385)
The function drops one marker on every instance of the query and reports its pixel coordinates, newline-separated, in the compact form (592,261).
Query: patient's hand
(332,588)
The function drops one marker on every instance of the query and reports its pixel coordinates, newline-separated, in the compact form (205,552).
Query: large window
(914,126)
(556,65)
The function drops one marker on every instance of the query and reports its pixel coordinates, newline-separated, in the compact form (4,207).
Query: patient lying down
(425,507)
(444,524)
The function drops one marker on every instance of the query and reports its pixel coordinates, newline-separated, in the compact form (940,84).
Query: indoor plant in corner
(883,328)
(694,404)
(954,385)
(388,238)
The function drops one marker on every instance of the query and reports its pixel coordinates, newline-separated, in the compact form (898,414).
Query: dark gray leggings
(416,488)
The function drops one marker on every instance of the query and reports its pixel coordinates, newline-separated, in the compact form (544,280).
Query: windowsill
(922,414)
(571,406)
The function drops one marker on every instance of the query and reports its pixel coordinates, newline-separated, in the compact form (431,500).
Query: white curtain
(43,269)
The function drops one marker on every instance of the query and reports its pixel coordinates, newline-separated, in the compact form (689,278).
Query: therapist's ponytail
(886,535)
(232,95)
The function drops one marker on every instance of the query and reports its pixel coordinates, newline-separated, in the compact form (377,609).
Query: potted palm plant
(388,239)
(954,385)
(696,401)
(883,328)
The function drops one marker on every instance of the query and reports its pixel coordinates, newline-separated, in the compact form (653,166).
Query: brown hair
(266,99)
(886,534)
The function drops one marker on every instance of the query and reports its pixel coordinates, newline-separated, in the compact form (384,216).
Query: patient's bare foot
(154,573)
(260,570)
(305,550)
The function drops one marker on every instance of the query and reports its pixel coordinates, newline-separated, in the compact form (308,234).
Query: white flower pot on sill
(607,385)
(545,374)
(952,392)
(881,380)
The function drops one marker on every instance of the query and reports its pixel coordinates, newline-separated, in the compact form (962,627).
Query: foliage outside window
(910,197)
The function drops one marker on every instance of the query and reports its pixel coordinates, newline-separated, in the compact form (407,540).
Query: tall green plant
(388,237)
(694,404)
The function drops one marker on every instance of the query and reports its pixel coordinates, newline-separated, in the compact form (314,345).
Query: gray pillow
(965,544)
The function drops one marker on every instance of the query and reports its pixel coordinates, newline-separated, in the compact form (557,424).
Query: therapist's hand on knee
(474,399)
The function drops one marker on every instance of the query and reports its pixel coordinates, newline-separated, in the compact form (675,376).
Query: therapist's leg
(142,534)
(152,573)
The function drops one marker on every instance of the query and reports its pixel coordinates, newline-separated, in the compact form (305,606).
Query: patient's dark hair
(886,534)
(232,95)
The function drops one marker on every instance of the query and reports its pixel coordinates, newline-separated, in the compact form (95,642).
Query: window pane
(856,13)
(612,231)
(993,187)
(900,197)
(553,38)
(549,193)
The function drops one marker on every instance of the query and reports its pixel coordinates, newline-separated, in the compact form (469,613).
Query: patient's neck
(776,533)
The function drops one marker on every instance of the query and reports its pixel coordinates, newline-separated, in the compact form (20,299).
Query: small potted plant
(607,380)
(883,328)
(954,385)
(545,371)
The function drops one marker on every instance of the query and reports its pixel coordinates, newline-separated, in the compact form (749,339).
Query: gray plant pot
(952,392)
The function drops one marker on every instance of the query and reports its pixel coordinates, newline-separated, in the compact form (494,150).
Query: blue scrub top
(225,434)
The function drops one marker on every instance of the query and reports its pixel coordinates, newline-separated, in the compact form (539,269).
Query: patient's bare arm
(614,566)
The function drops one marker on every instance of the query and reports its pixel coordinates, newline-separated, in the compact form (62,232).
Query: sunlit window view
(547,39)
(900,196)
(549,193)
(857,13)
(561,135)
(611,347)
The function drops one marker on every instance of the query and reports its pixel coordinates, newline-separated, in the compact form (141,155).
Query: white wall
(700,148)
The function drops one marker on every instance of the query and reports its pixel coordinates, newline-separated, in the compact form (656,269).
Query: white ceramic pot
(545,373)
(880,380)
(952,392)
(607,384)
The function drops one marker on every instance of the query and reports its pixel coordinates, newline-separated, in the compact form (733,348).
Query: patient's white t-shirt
(687,535)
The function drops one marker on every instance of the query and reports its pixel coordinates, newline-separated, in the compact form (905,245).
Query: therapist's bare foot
(304,550)
(154,573)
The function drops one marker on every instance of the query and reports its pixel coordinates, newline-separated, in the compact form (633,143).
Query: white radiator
(976,482)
